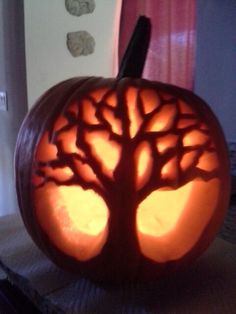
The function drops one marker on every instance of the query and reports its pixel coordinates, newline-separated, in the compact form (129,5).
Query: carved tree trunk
(122,238)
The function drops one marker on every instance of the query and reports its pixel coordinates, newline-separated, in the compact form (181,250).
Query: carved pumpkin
(121,178)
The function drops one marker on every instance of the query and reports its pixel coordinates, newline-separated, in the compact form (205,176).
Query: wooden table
(209,286)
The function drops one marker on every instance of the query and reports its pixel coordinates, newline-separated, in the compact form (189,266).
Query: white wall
(12,80)
(48,60)
(216,60)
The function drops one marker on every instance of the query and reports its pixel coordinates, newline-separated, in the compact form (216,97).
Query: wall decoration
(80,7)
(80,43)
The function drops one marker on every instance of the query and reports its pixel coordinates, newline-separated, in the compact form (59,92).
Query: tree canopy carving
(149,135)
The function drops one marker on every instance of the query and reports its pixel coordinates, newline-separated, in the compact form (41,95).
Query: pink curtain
(170,57)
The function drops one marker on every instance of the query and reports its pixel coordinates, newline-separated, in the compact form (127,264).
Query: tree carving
(124,143)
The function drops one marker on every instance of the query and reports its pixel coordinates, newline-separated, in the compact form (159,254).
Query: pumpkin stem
(133,61)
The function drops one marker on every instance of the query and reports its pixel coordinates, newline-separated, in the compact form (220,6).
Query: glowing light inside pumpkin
(170,219)
(166,142)
(171,222)
(144,164)
(159,212)
(86,211)
(74,219)
(106,151)
(163,120)
(68,140)
(194,137)
(150,100)
(113,121)
(46,150)
(170,169)
(134,117)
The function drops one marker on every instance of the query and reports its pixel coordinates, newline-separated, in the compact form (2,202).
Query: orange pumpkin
(121,179)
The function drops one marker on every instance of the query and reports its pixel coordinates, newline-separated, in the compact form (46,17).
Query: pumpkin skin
(145,161)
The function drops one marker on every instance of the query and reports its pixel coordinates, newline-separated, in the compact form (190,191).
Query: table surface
(208,286)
